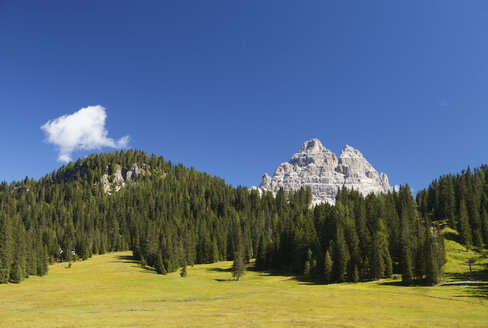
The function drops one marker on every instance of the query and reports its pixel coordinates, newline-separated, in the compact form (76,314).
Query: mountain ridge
(317,167)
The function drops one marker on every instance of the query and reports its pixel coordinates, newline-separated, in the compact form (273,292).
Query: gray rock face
(317,167)
(117,182)
(134,171)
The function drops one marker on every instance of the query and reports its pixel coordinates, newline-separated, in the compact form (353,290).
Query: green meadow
(112,290)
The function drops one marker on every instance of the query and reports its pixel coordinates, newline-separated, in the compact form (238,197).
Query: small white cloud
(443,103)
(396,188)
(82,130)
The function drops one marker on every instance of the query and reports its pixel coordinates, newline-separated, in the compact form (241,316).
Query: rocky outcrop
(317,167)
(120,178)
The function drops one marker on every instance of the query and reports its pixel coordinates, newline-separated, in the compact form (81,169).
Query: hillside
(113,290)
(170,215)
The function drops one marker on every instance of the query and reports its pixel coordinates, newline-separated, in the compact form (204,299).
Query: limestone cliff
(318,168)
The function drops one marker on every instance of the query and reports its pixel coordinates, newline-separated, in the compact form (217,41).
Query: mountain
(317,167)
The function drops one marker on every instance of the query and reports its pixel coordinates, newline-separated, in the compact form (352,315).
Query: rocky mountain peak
(266,181)
(319,168)
(349,152)
(312,146)
(313,152)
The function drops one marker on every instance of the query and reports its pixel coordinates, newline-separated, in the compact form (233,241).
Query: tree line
(172,216)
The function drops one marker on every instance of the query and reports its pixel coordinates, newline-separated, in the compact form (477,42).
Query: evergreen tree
(432,274)
(355,275)
(159,266)
(17,272)
(340,256)
(308,264)
(379,251)
(183,270)
(261,261)
(5,248)
(464,227)
(407,276)
(239,266)
(328,267)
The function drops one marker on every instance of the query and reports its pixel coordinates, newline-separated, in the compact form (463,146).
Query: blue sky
(235,87)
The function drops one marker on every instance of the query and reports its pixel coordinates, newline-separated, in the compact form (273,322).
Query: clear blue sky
(235,87)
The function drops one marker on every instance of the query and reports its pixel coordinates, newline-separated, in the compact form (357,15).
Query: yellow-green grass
(457,256)
(112,291)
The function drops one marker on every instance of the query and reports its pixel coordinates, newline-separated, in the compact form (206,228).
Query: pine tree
(355,276)
(484,225)
(308,264)
(5,248)
(261,258)
(407,276)
(159,266)
(432,274)
(327,267)
(143,262)
(340,255)
(388,265)
(17,272)
(183,270)
(379,251)
(464,228)
(238,267)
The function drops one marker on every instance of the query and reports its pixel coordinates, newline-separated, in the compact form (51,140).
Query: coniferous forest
(461,202)
(171,216)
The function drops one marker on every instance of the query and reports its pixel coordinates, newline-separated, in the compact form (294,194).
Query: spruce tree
(159,266)
(484,224)
(388,264)
(239,266)
(328,267)
(355,275)
(407,275)
(17,272)
(464,228)
(261,262)
(432,274)
(183,272)
(308,264)
(5,248)
(340,256)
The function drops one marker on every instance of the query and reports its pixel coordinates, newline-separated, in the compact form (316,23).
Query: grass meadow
(112,290)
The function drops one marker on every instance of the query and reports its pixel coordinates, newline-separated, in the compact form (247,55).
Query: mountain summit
(317,167)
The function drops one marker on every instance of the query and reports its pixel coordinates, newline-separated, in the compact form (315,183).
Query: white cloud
(82,130)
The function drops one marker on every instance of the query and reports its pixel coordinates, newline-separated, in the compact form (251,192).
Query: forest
(172,216)
(461,202)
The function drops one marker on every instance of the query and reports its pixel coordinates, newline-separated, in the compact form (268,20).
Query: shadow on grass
(284,273)
(130,259)
(220,269)
(397,283)
(225,280)
(126,259)
(452,236)
(479,291)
